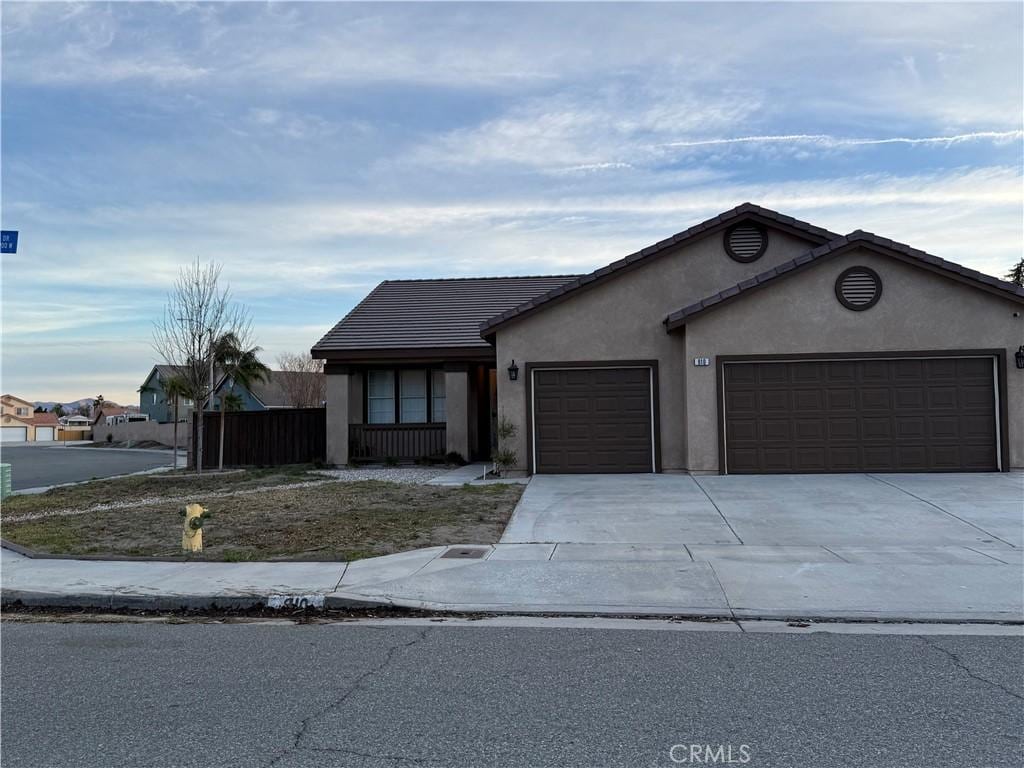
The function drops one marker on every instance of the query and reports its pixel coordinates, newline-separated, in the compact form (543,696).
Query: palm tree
(239,366)
(176,388)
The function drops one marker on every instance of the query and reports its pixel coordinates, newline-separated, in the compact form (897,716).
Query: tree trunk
(220,455)
(199,438)
(174,460)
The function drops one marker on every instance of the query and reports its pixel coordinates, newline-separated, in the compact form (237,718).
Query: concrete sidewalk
(912,584)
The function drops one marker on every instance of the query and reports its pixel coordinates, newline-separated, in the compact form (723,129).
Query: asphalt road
(33,466)
(342,695)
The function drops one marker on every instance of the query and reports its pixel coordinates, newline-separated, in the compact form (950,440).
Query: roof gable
(745,211)
(857,239)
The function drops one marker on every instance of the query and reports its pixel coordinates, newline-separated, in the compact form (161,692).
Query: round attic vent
(746,242)
(858,288)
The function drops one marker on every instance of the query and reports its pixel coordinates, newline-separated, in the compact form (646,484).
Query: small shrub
(390,461)
(454,457)
(110,437)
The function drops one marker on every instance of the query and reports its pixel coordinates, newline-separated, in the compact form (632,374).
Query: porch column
(456,395)
(337,415)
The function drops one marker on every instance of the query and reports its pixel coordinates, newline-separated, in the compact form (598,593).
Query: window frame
(396,396)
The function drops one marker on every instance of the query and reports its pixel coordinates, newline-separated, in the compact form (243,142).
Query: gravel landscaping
(401,475)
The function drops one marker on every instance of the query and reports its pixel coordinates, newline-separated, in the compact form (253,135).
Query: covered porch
(408,409)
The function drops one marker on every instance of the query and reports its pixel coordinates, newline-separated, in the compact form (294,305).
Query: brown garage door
(906,415)
(592,420)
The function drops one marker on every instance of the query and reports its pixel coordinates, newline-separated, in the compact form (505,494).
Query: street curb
(354,600)
(347,601)
(113,601)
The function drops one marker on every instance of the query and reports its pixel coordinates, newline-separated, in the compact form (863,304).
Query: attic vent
(746,242)
(858,288)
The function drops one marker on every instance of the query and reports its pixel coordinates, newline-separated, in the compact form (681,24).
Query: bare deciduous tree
(303,380)
(198,313)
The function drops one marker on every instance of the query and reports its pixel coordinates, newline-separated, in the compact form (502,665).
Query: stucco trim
(845,244)
(743,212)
(999,355)
(651,365)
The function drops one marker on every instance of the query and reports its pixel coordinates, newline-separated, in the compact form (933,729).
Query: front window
(437,398)
(187,402)
(22,411)
(380,397)
(413,393)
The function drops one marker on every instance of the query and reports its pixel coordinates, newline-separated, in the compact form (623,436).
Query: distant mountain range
(70,405)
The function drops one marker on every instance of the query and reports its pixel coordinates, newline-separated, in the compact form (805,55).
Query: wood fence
(264,438)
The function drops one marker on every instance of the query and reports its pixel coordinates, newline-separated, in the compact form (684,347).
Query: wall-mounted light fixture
(513,370)
(1020,356)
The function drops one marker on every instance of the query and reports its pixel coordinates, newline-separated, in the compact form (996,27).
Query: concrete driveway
(34,466)
(912,518)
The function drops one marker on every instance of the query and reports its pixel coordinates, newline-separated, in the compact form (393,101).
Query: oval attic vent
(858,288)
(746,242)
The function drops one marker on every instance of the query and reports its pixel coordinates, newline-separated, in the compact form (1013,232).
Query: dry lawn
(336,520)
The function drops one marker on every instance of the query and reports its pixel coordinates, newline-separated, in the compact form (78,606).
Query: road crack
(959,664)
(355,687)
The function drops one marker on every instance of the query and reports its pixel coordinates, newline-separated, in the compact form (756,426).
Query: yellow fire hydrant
(192,528)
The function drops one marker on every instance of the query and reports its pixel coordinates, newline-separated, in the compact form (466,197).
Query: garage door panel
(841,399)
(593,420)
(865,415)
(875,399)
(775,400)
(941,398)
(738,402)
(13,434)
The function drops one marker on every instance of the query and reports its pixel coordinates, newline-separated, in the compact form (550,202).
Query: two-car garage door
(902,415)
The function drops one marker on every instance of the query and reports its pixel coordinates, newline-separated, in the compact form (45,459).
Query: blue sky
(316,149)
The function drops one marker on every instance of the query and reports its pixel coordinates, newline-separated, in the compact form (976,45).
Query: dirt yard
(258,515)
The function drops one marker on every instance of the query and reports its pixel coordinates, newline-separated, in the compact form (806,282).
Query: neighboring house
(277,391)
(153,400)
(16,420)
(749,343)
(75,420)
(19,423)
(46,426)
(116,414)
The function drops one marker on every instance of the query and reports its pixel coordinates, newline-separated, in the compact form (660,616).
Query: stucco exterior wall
(918,310)
(622,319)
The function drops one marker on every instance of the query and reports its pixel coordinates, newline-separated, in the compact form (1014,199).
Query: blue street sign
(8,241)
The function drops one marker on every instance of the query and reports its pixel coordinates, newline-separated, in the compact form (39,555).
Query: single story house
(749,343)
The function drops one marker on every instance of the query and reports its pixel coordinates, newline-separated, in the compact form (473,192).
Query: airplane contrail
(826,140)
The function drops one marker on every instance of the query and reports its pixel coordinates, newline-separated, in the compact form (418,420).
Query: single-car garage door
(44,434)
(13,434)
(900,415)
(593,420)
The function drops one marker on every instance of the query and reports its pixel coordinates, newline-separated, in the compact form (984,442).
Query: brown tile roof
(44,419)
(840,244)
(742,211)
(429,314)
